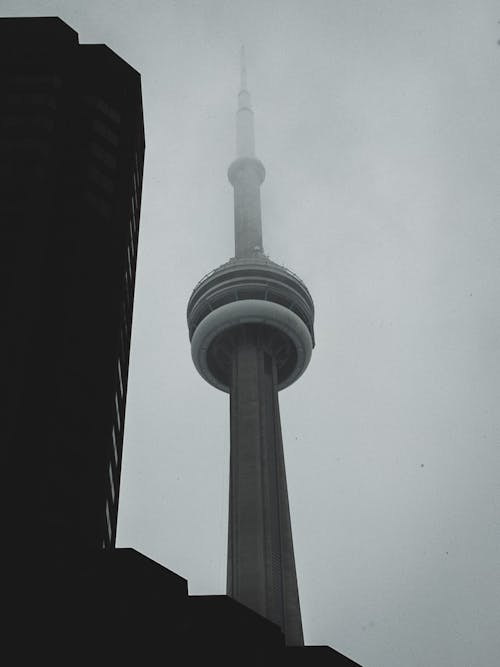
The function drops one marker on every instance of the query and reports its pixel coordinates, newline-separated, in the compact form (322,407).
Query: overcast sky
(379,126)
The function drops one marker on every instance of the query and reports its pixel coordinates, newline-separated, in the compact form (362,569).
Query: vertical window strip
(129,263)
(108,521)
(120,375)
(123,334)
(118,413)
(131,235)
(115,448)
(124,316)
(124,347)
(127,296)
(126,290)
(125,319)
(111,482)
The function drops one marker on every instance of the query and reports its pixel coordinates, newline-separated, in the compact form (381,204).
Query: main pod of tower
(251,331)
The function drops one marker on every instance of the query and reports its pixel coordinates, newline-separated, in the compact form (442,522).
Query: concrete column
(246,176)
(261,564)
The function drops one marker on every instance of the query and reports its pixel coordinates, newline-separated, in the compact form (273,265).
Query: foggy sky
(378,125)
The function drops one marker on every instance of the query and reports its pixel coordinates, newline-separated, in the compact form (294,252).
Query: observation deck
(250,291)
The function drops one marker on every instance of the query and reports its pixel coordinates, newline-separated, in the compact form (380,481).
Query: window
(120,376)
(108,521)
(36,99)
(124,329)
(103,131)
(102,207)
(129,263)
(102,155)
(104,108)
(127,297)
(122,340)
(103,181)
(27,122)
(280,299)
(118,413)
(36,79)
(131,236)
(111,483)
(115,448)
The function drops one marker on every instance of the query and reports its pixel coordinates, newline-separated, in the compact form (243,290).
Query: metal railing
(241,261)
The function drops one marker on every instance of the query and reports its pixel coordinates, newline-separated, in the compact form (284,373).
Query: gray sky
(378,123)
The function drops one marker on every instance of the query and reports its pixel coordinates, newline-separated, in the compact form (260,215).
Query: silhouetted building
(71,158)
(72,150)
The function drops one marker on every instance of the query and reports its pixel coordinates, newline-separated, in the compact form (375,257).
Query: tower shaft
(246,175)
(261,563)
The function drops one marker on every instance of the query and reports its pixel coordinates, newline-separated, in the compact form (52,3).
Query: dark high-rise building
(251,330)
(72,150)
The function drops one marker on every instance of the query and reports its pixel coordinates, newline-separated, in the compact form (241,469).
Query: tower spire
(243,69)
(246,174)
(245,134)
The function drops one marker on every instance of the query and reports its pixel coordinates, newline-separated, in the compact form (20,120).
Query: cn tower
(251,330)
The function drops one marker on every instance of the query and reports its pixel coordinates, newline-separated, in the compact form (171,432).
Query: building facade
(71,164)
